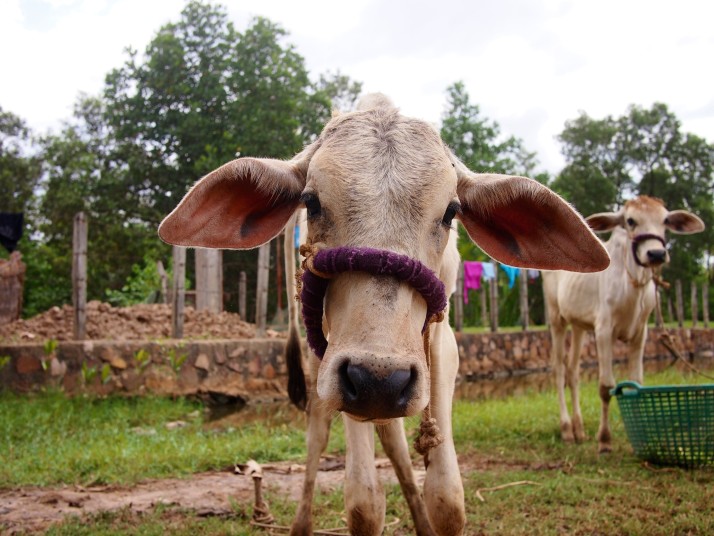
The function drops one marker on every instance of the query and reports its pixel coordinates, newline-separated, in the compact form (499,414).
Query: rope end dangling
(429,436)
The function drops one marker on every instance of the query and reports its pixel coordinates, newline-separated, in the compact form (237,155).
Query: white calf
(615,303)
(381,189)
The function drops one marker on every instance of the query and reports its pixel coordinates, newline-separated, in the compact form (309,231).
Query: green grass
(47,439)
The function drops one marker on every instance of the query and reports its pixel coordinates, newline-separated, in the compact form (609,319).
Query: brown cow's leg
(394,441)
(364,497)
(318,432)
(443,490)
(557,334)
(635,350)
(603,339)
(573,379)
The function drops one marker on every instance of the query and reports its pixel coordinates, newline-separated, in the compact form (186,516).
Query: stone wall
(504,354)
(254,369)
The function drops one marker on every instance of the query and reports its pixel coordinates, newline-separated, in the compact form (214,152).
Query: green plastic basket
(669,425)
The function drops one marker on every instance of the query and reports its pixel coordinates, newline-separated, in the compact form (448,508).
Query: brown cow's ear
(241,205)
(605,221)
(683,222)
(522,223)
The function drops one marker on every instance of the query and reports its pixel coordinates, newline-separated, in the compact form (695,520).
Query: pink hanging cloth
(472,277)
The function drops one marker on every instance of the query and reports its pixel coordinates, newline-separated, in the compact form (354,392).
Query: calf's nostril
(656,255)
(370,395)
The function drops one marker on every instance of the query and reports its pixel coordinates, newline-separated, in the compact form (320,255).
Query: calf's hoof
(566,432)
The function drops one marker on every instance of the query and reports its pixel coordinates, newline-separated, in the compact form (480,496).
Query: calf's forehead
(380,163)
(646,210)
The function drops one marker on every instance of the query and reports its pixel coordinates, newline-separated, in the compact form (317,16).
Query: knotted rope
(321,264)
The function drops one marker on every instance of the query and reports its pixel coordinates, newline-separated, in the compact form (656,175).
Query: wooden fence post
(242,290)
(261,294)
(523,297)
(163,276)
(493,289)
(459,300)
(79,275)
(680,302)
(670,311)
(705,303)
(179,290)
(659,322)
(484,306)
(209,279)
(694,304)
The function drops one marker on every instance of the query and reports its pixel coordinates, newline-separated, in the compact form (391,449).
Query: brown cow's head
(377,179)
(645,220)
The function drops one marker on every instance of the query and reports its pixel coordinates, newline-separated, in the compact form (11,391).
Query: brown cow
(376,179)
(615,303)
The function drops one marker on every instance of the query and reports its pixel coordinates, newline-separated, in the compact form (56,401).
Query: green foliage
(19,169)
(477,141)
(143,360)
(176,358)
(4,360)
(88,373)
(50,347)
(142,286)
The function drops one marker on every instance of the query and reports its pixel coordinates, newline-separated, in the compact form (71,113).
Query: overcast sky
(529,64)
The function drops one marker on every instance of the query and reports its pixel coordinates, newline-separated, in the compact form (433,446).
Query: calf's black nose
(656,256)
(364,394)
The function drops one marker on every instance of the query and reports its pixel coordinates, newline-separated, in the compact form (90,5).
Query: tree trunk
(680,302)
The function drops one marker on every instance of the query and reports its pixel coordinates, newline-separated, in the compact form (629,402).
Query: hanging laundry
(511,272)
(533,274)
(489,271)
(472,277)
(296,237)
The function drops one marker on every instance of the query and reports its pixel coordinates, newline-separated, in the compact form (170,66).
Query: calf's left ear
(520,222)
(683,222)
(241,205)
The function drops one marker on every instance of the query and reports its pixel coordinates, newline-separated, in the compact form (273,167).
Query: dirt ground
(28,510)
(137,322)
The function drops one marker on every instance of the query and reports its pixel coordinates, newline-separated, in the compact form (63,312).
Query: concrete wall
(255,369)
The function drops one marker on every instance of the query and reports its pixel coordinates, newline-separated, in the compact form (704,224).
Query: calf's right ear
(240,205)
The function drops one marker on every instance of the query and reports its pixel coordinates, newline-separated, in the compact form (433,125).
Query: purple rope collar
(373,261)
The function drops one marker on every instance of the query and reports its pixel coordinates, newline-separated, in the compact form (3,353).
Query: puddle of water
(540,381)
(283,413)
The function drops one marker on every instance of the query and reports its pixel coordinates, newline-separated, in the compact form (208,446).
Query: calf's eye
(312,204)
(631,222)
(451,211)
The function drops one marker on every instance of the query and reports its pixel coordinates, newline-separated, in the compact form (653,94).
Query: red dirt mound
(137,322)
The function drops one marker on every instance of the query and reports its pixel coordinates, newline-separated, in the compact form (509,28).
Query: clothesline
(475,271)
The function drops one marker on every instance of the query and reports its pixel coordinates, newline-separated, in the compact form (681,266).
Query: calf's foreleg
(443,490)
(394,441)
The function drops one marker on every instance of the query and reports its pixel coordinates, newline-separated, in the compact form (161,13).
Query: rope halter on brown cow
(320,265)
(654,273)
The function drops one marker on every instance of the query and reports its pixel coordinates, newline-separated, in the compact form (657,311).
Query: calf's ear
(240,205)
(520,222)
(605,221)
(683,222)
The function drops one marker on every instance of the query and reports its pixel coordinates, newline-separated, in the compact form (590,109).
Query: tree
(19,169)
(477,141)
(81,173)
(204,94)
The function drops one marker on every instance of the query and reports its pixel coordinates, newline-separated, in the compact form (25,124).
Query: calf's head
(645,220)
(377,179)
